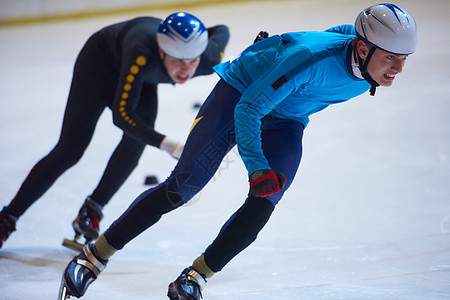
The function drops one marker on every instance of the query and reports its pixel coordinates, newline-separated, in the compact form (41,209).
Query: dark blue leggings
(210,139)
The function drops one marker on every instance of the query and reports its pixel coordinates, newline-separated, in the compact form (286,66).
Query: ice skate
(7,225)
(188,286)
(63,293)
(80,273)
(86,224)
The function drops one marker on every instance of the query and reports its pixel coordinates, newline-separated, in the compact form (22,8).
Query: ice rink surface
(368,216)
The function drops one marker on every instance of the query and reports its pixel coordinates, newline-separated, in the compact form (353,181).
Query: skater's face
(383,66)
(179,70)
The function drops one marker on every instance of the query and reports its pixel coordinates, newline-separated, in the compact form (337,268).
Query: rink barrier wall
(25,12)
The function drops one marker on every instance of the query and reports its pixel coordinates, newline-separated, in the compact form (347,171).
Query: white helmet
(182,36)
(388,27)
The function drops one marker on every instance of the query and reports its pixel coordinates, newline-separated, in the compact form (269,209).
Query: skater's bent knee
(162,199)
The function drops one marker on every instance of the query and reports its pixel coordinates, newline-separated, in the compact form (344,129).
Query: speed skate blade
(63,293)
(73,244)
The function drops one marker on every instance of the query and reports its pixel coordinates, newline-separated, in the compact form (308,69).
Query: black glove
(266,182)
(261,36)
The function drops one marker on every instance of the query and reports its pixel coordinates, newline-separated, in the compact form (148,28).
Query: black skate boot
(188,286)
(7,225)
(87,224)
(88,220)
(81,272)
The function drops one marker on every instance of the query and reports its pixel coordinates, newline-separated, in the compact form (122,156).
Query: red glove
(266,182)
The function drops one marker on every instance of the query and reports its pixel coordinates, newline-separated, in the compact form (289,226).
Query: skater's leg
(82,112)
(282,146)
(212,135)
(121,164)
(127,154)
(123,161)
(281,141)
(238,233)
(7,225)
(210,139)
(64,155)
(145,211)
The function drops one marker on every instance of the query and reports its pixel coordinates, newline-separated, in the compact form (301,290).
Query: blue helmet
(182,36)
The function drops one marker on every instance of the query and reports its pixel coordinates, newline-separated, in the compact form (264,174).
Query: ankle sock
(201,267)
(103,249)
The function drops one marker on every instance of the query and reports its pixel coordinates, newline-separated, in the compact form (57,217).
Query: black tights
(92,90)
(236,235)
(238,232)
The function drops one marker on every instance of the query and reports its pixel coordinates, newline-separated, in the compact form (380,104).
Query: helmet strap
(363,68)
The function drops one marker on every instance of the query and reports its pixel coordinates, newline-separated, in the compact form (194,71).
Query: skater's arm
(128,95)
(218,37)
(260,99)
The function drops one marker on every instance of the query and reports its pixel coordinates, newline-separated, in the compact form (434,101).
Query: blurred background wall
(26,11)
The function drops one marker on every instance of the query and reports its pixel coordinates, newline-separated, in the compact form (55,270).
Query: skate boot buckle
(194,276)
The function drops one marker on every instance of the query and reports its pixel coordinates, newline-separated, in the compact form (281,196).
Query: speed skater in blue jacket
(261,103)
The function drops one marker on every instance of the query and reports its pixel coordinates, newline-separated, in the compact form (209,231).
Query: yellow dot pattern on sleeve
(134,70)
(141,61)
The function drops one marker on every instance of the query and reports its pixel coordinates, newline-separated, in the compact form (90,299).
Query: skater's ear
(162,54)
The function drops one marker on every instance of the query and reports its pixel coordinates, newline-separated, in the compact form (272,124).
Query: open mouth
(182,78)
(389,77)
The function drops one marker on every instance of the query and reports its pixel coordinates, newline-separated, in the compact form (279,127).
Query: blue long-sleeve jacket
(289,76)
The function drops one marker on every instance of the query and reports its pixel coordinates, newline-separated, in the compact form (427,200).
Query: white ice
(368,216)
